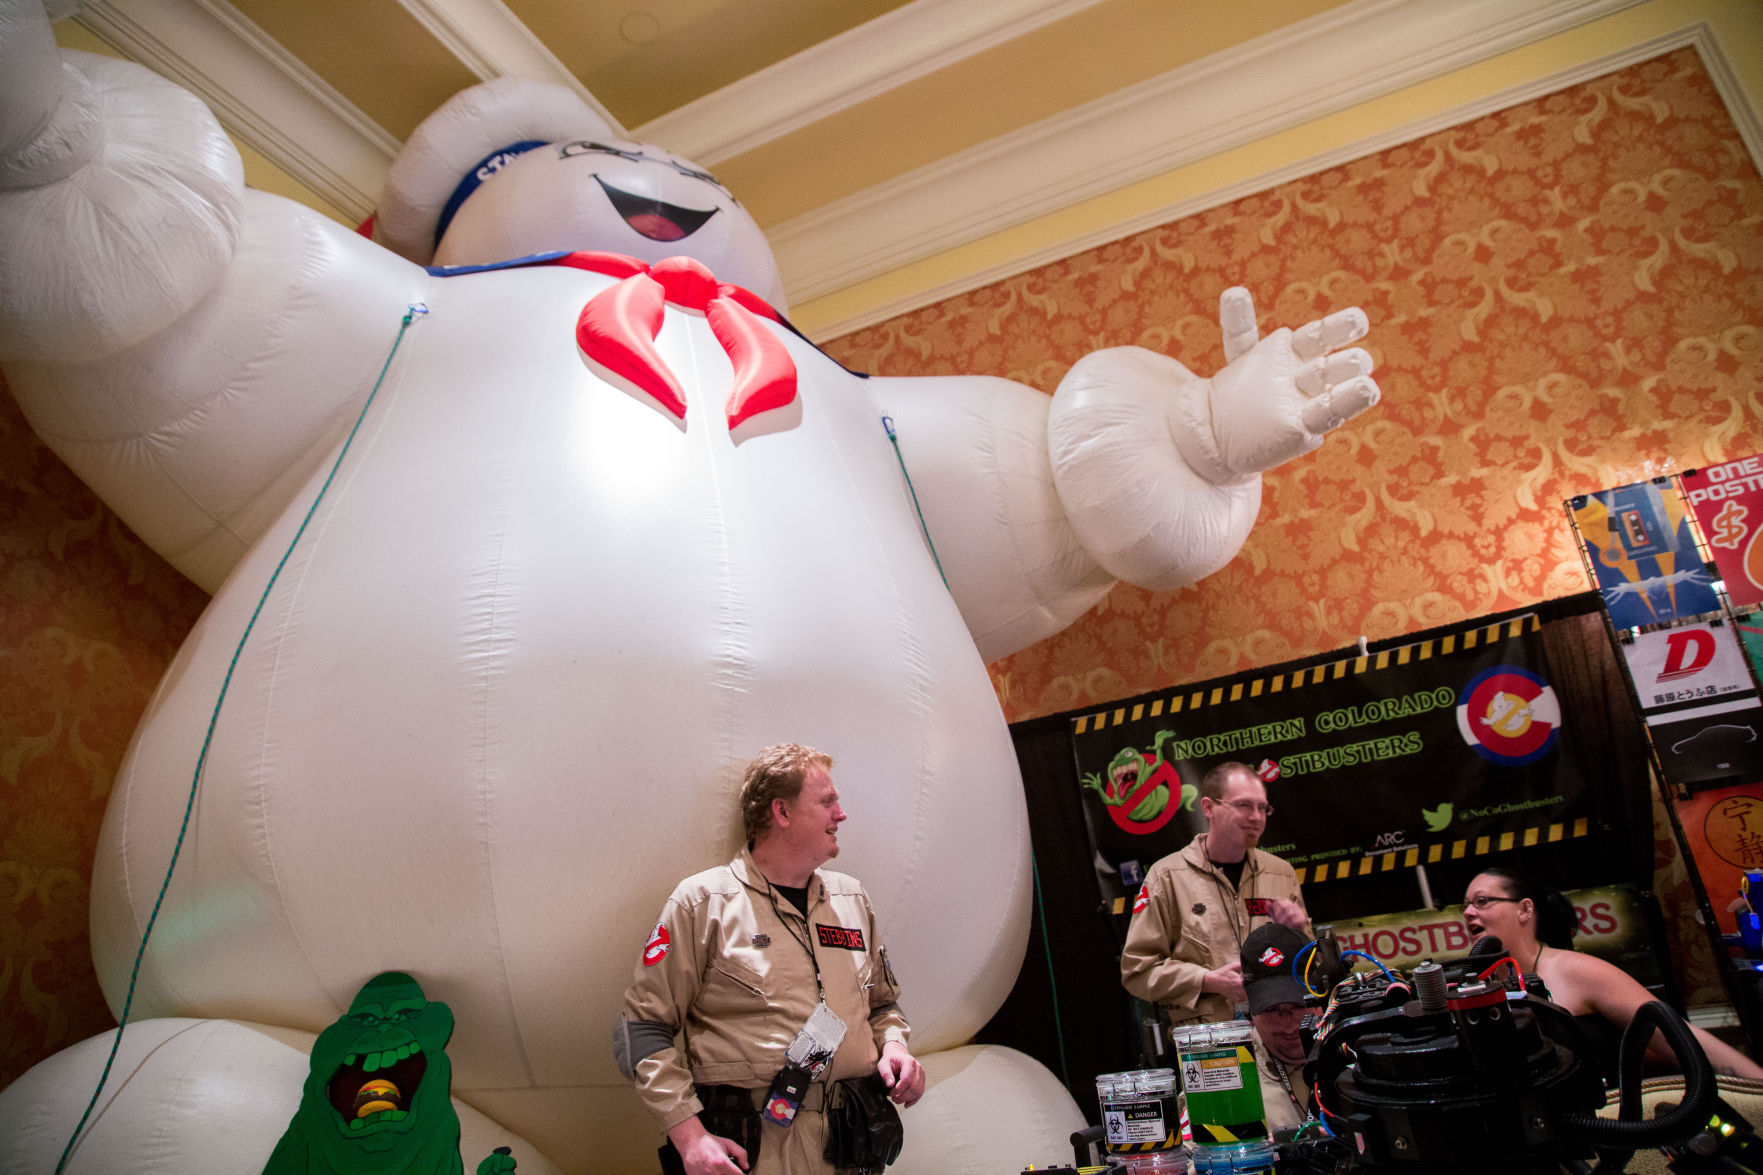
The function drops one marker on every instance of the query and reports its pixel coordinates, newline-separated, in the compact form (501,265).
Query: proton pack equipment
(1452,1068)
(1469,1066)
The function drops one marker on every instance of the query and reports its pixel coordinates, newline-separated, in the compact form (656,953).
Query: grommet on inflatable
(506,592)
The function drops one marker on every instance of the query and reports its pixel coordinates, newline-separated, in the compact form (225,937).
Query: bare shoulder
(1588,968)
(1583,983)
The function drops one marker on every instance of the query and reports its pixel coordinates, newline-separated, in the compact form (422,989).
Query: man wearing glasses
(1199,905)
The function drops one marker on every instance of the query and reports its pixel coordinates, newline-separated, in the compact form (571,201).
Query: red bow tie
(618,326)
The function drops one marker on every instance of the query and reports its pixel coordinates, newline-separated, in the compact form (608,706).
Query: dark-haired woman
(1536,926)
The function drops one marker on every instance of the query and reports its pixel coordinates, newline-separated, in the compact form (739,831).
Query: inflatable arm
(1139,470)
(191,349)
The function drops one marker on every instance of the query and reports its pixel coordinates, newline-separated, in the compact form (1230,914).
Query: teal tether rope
(417,310)
(888,423)
(1053,983)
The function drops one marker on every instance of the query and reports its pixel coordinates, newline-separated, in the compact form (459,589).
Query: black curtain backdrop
(1074,948)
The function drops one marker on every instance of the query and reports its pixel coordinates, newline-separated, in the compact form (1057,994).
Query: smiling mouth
(371,1091)
(656,219)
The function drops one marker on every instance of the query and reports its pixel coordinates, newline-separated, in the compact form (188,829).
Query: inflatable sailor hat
(513,167)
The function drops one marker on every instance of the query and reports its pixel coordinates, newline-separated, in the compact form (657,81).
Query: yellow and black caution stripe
(1451,850)
(1339,870)
(1445,850)
(1212,1133)
(1187,701)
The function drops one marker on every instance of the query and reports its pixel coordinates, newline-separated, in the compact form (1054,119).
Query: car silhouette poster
(1700,702)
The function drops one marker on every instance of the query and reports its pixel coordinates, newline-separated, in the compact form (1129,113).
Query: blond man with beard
(740,960)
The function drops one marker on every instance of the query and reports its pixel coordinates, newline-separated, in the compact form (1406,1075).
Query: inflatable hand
(1277,397)
(1158,469)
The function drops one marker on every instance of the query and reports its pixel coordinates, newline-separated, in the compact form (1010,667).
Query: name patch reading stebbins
(840,936)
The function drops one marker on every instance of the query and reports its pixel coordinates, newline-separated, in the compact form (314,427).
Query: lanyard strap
(1285,1083)
(789,927)
(1230,900)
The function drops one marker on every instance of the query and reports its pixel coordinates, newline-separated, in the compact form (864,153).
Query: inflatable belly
(498,701)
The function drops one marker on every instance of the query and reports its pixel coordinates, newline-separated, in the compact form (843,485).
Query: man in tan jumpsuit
(1192,915)
(737,963)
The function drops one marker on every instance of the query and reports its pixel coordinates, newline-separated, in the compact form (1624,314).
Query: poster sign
(1611,925)
(1637,539)
(1459,740)
(1724,831)
(1728,501)
(1701,706)
(1689,665)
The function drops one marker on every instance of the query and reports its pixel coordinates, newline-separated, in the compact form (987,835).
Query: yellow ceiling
(898,151)
(1086,56)
(643,59)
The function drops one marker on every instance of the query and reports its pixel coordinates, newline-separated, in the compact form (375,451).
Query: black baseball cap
(1267,967)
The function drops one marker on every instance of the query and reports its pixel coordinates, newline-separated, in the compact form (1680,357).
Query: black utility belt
(814,1098)
(863,1129)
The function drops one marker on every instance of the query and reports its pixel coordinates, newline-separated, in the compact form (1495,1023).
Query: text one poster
(1728,501)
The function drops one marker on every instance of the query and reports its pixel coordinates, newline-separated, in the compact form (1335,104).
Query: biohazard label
(845,937)
(1212,1071)
(1131,1122)
(659,944)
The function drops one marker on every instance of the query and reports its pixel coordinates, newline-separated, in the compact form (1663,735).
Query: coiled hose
(1631,1131)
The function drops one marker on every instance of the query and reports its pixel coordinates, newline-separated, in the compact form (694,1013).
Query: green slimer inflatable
(376,1097)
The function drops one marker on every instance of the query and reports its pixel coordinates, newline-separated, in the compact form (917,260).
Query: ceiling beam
(257,90)
(492,42)
(853,67)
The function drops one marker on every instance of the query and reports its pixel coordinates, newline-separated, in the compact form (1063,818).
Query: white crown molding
(1352,54)
(853,67)
(1699,36)
(1745,117)
(492,42)
(257,90)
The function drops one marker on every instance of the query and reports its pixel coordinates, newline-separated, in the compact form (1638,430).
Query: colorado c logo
(1509,715)
(659,942)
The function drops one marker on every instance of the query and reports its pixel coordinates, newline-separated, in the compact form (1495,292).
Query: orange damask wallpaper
(1564,296)
(89,619)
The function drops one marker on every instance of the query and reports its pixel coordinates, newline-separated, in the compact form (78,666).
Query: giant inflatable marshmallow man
(605,528)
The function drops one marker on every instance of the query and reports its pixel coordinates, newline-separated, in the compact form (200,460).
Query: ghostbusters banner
(1441,750)
(1700,703)
(1611,925)
(1728,501)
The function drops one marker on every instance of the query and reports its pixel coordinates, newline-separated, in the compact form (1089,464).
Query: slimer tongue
(375,1096)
